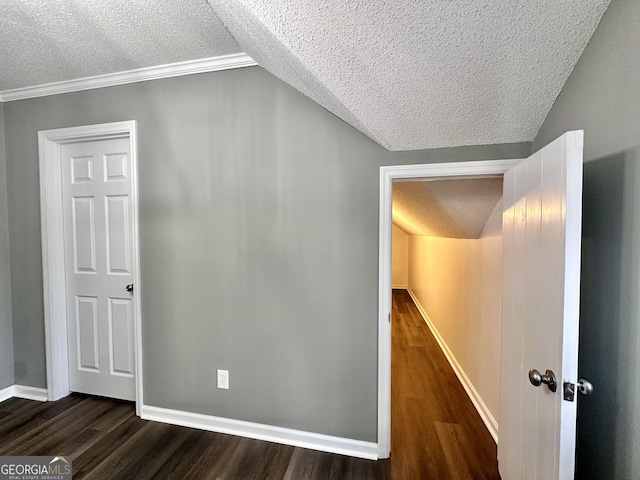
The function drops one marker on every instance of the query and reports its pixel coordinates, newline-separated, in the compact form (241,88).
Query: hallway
(436,431)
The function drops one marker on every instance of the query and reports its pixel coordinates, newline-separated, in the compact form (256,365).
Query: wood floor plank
(456,443)
(105,446)
(188,453)
(219,448)
(142,455)
(118,412)
(253,459)
(60,406)
(52,436)
(112,420)
(311,465)
(25,411)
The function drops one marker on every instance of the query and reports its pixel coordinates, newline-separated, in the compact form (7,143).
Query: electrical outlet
(223,379)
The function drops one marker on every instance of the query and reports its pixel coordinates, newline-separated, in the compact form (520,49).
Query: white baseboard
(21,391)
(6,393)
(400,287)
(476,399)
(31,393)
(286,436)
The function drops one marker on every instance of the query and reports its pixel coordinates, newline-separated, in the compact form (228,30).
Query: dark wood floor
(108,442)
(436,432)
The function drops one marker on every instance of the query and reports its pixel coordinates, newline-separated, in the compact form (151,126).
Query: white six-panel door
(98,227)
(541,261)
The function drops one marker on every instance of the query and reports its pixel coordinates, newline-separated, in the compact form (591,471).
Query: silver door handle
(129,288)
(537,379)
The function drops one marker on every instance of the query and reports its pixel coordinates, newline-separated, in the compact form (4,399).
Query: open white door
(541,248)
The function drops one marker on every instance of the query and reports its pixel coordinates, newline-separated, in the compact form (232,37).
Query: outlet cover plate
(223,379)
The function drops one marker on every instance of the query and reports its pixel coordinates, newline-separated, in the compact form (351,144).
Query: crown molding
(190,67)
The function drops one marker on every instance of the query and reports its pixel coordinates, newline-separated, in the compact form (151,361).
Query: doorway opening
(446,321)
(387,176)
(52,145)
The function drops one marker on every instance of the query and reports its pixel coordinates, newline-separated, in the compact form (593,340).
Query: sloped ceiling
(451,208)
(422,74)
(409,74)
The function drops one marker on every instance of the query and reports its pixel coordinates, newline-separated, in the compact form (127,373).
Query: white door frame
(53,265)
(387,176)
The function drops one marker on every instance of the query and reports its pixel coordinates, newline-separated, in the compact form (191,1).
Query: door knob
(129,288)
(537,379)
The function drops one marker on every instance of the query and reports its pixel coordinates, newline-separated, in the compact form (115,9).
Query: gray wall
(259,245)
(6,329)
(602,96)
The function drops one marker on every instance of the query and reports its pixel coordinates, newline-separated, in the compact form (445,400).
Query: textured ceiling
(422,74)
(45,41)
(452,208)
(409,74)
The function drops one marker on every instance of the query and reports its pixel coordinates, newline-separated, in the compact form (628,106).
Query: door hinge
(389,317)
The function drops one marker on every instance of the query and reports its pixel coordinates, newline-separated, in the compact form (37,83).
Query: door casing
(53,265)
(387,175)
